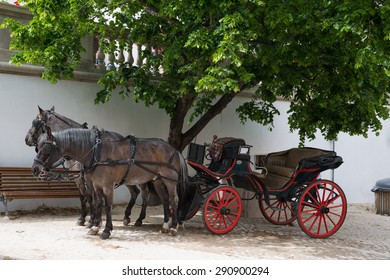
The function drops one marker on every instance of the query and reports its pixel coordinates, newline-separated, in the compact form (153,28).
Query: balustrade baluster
(100,56)
(130,58)
(120,60)
(111,62)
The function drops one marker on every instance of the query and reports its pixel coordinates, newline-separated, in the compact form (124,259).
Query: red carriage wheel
(279,212)
(322,209)
(222,210)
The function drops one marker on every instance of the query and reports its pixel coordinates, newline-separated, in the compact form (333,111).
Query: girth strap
(133,146)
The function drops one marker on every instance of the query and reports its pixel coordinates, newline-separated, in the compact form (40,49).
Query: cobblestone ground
(49,233)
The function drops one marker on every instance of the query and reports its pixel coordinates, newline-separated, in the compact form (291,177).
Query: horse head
(38,127)
(54,148)
(48,155)
(49,118)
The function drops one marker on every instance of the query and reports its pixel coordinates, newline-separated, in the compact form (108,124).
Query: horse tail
(189,196)
(183,177)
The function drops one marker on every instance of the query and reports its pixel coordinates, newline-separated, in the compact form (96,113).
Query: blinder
(37,123)
(44,155)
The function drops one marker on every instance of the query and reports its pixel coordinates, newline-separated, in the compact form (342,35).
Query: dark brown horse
(57,122)
(110,160)
(48,118)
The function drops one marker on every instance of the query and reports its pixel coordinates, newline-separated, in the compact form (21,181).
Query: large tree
(330,59)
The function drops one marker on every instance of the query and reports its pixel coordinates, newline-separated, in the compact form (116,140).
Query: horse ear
(41,111)
(52,109)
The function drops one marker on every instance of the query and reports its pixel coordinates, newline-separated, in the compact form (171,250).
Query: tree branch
(216,109)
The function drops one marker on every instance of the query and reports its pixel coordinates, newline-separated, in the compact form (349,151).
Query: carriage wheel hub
(224,210)
(324,210)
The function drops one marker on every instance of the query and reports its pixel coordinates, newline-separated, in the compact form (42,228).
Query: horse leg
(83,200)
(91,199)
(108,199)
(134,191)
(171,188)
(92,208)
(145,201)
(98,213)
(163,194)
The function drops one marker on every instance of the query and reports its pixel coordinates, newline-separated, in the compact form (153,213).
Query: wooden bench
(19,183)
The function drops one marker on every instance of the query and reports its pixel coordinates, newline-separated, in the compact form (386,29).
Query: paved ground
(51,234)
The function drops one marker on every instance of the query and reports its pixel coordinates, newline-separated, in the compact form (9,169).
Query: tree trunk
(180,140)
(182,107)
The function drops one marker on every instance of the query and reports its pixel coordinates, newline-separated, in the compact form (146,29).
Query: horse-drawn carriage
(287,187)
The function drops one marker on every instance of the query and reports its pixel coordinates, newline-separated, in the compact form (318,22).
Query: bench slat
(34,183)
(36,188)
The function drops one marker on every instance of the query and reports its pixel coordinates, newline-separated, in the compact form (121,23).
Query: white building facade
(366,160)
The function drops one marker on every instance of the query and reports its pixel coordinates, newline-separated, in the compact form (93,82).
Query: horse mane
(78,139)
(66,120)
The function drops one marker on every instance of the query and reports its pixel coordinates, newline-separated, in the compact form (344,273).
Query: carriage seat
(223,151)
(281,166)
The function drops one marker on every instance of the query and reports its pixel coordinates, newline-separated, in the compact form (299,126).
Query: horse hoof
(126,222)
(173,231)
(164,230)
(80,222)
(89,225)
(138,223)
(93,231)
(104,235)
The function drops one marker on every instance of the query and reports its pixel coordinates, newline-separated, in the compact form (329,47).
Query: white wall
(20,96)
(365,160)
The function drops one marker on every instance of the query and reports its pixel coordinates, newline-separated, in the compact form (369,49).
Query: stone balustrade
(16,12)
(93,61)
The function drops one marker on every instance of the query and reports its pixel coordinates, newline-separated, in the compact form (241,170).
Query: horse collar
(97,148)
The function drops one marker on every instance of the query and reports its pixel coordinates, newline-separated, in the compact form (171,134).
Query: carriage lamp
(244,150)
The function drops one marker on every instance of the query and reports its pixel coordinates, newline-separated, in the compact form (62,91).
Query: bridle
(45,163)
(47,172)
(50,147)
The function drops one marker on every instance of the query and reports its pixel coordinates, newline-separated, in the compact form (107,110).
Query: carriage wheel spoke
(315,216)
(213,217)
(333,199)
(306,203)
(312,198)
(330,218)
(227,200)
(330,193)
(322,223)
